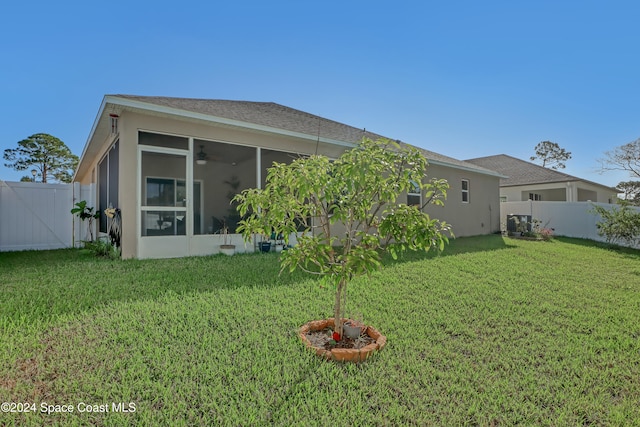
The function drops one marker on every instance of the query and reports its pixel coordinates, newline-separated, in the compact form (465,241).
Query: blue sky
(462,78)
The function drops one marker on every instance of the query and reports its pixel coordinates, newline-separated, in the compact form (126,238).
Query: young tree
(347,211)
(551,155)
(48,155)
(631,190)
(624,158)
(83,212)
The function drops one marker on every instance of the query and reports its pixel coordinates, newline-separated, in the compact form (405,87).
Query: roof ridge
(186,98)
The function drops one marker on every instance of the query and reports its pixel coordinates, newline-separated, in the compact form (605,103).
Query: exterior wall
(127,181)
(481,215)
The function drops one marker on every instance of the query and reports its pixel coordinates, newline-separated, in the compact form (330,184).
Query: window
(414,195)
(535,196)
(465,191)
(108,184)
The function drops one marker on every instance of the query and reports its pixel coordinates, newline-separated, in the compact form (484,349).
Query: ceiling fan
(201,157)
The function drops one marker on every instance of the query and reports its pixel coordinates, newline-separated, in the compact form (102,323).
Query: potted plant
(226,247)
(358,194)
(278,241)
(265,245)
(353,327)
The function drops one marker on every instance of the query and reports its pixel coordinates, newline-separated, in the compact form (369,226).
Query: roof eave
(220,120)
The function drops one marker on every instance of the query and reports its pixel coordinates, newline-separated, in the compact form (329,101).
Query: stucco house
(527,181)
(171,165)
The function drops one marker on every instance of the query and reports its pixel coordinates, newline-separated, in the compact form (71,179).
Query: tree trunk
(338,307)
(91,229)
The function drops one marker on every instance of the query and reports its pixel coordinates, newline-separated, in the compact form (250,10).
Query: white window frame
(466,191)
(414,193)
(200,186)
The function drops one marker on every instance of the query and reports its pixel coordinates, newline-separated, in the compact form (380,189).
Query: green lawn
(494,331)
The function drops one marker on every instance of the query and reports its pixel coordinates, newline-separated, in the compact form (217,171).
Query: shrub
(546,233)
(103,248)
(618,225)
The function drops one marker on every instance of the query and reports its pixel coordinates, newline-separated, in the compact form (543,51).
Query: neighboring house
(172,164)
(528,181)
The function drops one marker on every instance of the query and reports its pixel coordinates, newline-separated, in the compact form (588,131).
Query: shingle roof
(261,113)
(520,172)
(285,118)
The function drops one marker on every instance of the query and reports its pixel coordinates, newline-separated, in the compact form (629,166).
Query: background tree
(624,158)
(48,155)
(551,155)
(631,191)
(347,210)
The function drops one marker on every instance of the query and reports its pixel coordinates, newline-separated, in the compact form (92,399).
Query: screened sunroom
(186,185)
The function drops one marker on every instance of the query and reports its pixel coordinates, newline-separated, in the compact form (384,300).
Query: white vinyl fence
(37,216)
(571,219)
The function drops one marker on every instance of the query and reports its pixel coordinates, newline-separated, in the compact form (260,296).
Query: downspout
(73,217)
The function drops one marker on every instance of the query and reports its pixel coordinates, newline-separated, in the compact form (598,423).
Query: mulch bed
(321,339)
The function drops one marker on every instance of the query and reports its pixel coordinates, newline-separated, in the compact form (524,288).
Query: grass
(493,332)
